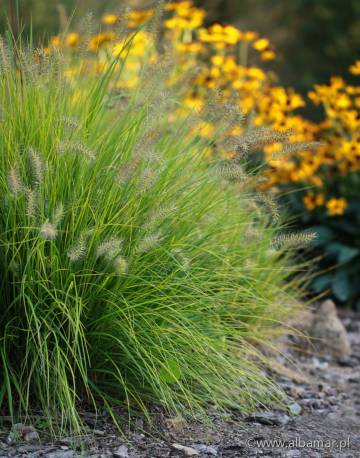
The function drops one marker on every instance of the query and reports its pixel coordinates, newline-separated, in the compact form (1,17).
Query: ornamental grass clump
(130,274)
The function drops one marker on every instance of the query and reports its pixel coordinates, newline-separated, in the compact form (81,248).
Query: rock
(328,333)
(187,451)
(347,362)
(322,365)
(121,452)
(302,322)
(208,449)
(294,408)
(292,454)
(20,432)
(61,454)
(269,418)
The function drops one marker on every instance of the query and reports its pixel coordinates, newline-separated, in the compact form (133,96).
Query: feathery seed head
(58,214)
(109,248)
(14,267)
(269,202)
(295,239)
(48,231)
(70,123)
(120,265)
(253,232)
(158,215)
(77,148)
(77,251)
(229,170)
(14,181)
(147,179)
(184,260)
(149,242)
(291,148)
(37,166)
(127,171)
(31,202)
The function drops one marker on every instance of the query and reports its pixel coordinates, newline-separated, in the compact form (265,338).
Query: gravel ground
(323,421)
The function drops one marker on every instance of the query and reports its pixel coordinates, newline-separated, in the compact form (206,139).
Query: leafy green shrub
(129,273)
(337,251)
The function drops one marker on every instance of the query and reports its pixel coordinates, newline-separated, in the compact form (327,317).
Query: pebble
(121,452)
(187,451)
(61,454)
(294,409)
(292,454)
(209,449)
(269,418)
(20,432)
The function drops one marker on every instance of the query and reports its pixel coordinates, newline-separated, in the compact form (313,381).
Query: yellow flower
(217,60)
(110,19)
(175,5)
(256,73)
(136,18)
(355,69)
(205,129)
(193,48)
(100,39)
(309,201)
(343,101)
(336,206)
(55,41)
(320,199)
(261,44)
(268,55)
(72,39)
(231,35)
(194,102)
(249,36)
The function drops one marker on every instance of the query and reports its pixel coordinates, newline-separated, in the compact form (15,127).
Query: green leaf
(324,235)
(321,283)
(334,249)
(171,372)
(347,254)
(342,253)
(341,286)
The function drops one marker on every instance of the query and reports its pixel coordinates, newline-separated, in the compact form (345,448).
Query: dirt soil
(323,421)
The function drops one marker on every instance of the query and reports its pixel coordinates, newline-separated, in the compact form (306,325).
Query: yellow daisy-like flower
(336,206)
(268,55)
(309,201)
(72,39)
(110,19)
(355,69)
(261,44)
(55,41)
(100,39)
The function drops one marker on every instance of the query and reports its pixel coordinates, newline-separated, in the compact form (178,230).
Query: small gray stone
(187,451)
(294,409)
(209,449)
(292,453)
(20,432)
(61,454)
(121,452)
(269,418)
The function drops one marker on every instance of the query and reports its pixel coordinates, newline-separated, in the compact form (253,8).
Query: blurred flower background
(292,68)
